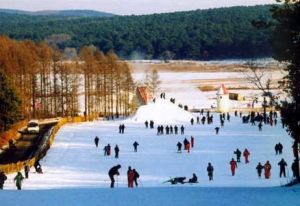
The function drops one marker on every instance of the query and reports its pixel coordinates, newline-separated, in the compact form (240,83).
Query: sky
(126,7)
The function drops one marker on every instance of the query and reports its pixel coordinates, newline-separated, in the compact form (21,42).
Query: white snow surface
(75,171)
(161,112)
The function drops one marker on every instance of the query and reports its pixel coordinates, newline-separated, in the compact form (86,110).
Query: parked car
(33,126)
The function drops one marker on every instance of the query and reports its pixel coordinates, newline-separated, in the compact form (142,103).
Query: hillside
(201,34)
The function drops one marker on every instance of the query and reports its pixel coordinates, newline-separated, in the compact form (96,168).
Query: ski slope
(75,162)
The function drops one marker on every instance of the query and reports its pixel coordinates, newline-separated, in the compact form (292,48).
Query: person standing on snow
(282,165)
(136,176)
(117,152)
(210,171)
(192,121)
(112,172)
(108,148)
(146,124)
(179,145)
(130,177)
(182,130)
(3,178)
(259,169)
(246,154)
(96,140)
(217,130)
(18,179)
(280,148)
(135,144)
(238,155)
(267,168)
(26,170)
(192,141)
(176,130)
(233,166)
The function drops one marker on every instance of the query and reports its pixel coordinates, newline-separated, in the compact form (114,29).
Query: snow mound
(161,112)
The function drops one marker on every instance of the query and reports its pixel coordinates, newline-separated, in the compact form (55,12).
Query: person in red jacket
(233,166)
(130,177)
(188,147)
(192,141)
(246,154)
(267,168)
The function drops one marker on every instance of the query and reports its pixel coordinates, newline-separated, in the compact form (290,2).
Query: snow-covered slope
(162,111)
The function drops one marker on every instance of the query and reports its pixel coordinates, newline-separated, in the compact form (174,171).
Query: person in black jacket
(210,171)
(179,145)
(238,155)
(194,179)
(2,179)
(259,169)
(96,140)
(117,151)
(282,165)
(135,144)
(136,176)
(113,171)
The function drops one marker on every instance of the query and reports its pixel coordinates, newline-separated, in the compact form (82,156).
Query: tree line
(46,85)
(202,34)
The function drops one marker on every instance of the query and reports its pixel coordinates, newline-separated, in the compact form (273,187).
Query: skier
(210,170)
(179,145)
(18,179)
(194,179)
(246,154)
(96,140)
(192,121)
(233,166)
(192,141)
(176,130)
(130,177)
(146,124)
(182,129)
(135,144)
(282,165)
(217,130)
(3,178)
(238,155)
(113,171)
(280,148)
(267,168)
(259,169)
(26,170)
(136,176)
(117,152)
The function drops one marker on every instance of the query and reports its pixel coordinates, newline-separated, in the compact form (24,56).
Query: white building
(223,104)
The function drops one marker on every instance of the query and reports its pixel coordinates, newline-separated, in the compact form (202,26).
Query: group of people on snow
(132,176)
(121,128)
(169,130)
(151,124)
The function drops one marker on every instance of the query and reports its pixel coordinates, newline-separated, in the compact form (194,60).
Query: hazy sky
(126,6)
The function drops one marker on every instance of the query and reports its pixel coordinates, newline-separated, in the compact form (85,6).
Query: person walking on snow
(108,150)
(267,168)
(179,145)
(117,152)
(146,124)
(176,130)
(259,169)
(282,165)
(233,166)
(238,155)
(182,130)
(96,140)
(130,177)
(136,176)
(135,144)
(210,170)
(246,154)
(217,130)
(3,178)
(112,172)
(192,121)
(18,179)
(192,141)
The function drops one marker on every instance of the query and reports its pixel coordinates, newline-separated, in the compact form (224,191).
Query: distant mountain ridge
(62,13)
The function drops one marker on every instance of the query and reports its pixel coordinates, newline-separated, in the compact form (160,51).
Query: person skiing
(26,170)
(18,179)
(146,124)
(238,155)
(194,179)
(282,165)
(179,145)
(259,169)
(135,177)
(135,144)
(217,130)
(3,178)
(192,142)
(182,130)
(113,171)
(233,166)
(267,168)
(210,170)
(117,152)
(130,177)
(96,140)
(246,154)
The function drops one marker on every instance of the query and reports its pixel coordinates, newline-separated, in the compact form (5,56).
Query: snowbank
(161,112)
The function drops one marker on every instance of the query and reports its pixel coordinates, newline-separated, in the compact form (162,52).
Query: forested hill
(202,34)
